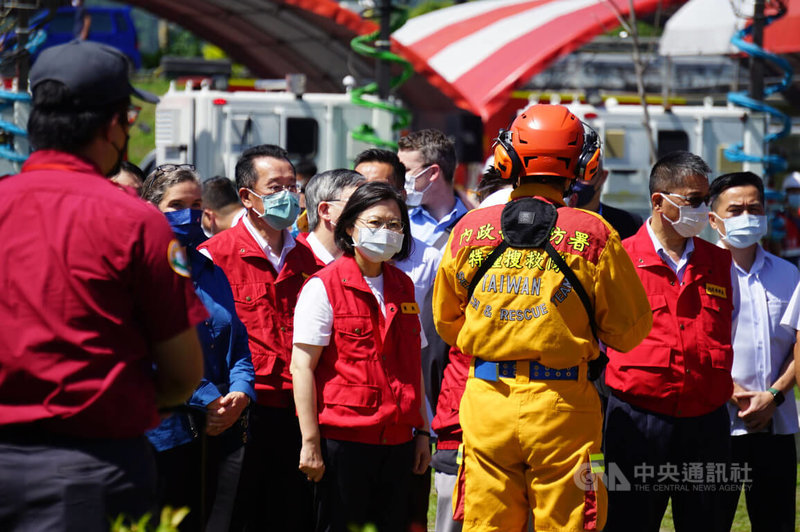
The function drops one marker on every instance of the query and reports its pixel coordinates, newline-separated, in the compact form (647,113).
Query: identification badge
(716,291)
(409,308)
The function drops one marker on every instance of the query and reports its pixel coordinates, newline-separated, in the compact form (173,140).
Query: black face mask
(120,154)
(580,194)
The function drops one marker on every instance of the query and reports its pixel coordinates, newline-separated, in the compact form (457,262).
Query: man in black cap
(98,310)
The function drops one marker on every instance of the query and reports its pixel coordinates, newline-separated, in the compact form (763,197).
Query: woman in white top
(356,369)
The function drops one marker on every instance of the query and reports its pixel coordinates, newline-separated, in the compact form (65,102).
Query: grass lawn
(143,134)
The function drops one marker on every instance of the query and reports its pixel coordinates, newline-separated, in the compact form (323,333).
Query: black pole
(383,71)
(757,63)
(23,61)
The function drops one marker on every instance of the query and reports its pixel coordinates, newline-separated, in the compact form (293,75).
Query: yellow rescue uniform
(528,439)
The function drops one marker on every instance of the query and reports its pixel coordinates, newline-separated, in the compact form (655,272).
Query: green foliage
(170,519)
(645,30)
(428,6)
(184,44)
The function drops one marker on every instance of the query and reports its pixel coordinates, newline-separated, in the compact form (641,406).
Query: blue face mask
(280,210)
(186,226)
(793,200)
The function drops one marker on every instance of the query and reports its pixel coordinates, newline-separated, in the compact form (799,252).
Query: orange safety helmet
(547,140)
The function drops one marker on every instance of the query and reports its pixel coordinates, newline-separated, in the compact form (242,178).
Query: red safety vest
(368,377)
(265,301)
(683,367)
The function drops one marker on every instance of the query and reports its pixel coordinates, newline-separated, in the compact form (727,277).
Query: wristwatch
(777,396)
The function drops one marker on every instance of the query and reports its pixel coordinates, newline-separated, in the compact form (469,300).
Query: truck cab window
(672,140)
(302,137)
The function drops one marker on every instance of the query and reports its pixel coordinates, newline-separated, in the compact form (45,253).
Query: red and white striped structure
(479,52)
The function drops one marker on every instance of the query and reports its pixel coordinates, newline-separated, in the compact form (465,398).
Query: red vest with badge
(265,301)
(683,367)
(368,377)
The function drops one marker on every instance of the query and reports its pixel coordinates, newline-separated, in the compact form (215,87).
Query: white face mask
(413,196)
(378,246)
(744,230)
(691,220)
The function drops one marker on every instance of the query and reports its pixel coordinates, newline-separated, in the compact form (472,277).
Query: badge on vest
(716,291)
(409,308)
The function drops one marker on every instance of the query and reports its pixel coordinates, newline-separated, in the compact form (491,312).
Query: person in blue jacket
(212,429)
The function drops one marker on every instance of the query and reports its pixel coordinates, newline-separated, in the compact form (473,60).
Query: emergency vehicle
(211,128)
(705,130)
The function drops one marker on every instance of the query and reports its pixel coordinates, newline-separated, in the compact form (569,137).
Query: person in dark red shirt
(97,312)
(667,430)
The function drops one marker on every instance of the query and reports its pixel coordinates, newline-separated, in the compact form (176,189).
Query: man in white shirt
(763,422)
(326,195)
(433,206)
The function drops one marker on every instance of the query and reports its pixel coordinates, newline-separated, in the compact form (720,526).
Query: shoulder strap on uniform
(485,265)
(574,282)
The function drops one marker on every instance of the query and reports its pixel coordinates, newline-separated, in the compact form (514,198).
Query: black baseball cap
(94,73)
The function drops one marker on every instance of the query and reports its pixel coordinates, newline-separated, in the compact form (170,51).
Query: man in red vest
(667,430)
(266,269)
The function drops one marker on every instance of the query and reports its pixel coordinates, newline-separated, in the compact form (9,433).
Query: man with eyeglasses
(667,427)
(266,269)
(98,312)
(326,195)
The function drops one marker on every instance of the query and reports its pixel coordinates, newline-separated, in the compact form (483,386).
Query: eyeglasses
(164,168)
(133,114)
(693,201)
(274,189)
(373,224)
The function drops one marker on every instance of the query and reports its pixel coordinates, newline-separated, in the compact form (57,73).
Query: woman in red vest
(356,370)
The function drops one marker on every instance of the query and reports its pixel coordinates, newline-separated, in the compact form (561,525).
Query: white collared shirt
(760,344)
(319,250)
(678,267)
(276,260)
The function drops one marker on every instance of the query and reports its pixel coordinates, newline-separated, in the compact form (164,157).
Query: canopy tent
(479,52)
(705,27)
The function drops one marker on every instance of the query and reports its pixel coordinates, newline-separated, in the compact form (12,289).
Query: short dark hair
(671,170)
(362,199)
(377,155)
(328,186)
(56,122)
(159,181)
(735,179)
(246,176)
(306,167)
(219,192)
(127,166)
(434,147)
(490,182)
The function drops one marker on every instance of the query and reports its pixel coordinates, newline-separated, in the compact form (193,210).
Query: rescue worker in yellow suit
(507,292)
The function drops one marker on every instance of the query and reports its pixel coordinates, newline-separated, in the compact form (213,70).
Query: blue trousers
(651,458)
(78,485)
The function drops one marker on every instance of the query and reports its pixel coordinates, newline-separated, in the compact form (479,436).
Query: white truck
(211,128)
(705,130)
